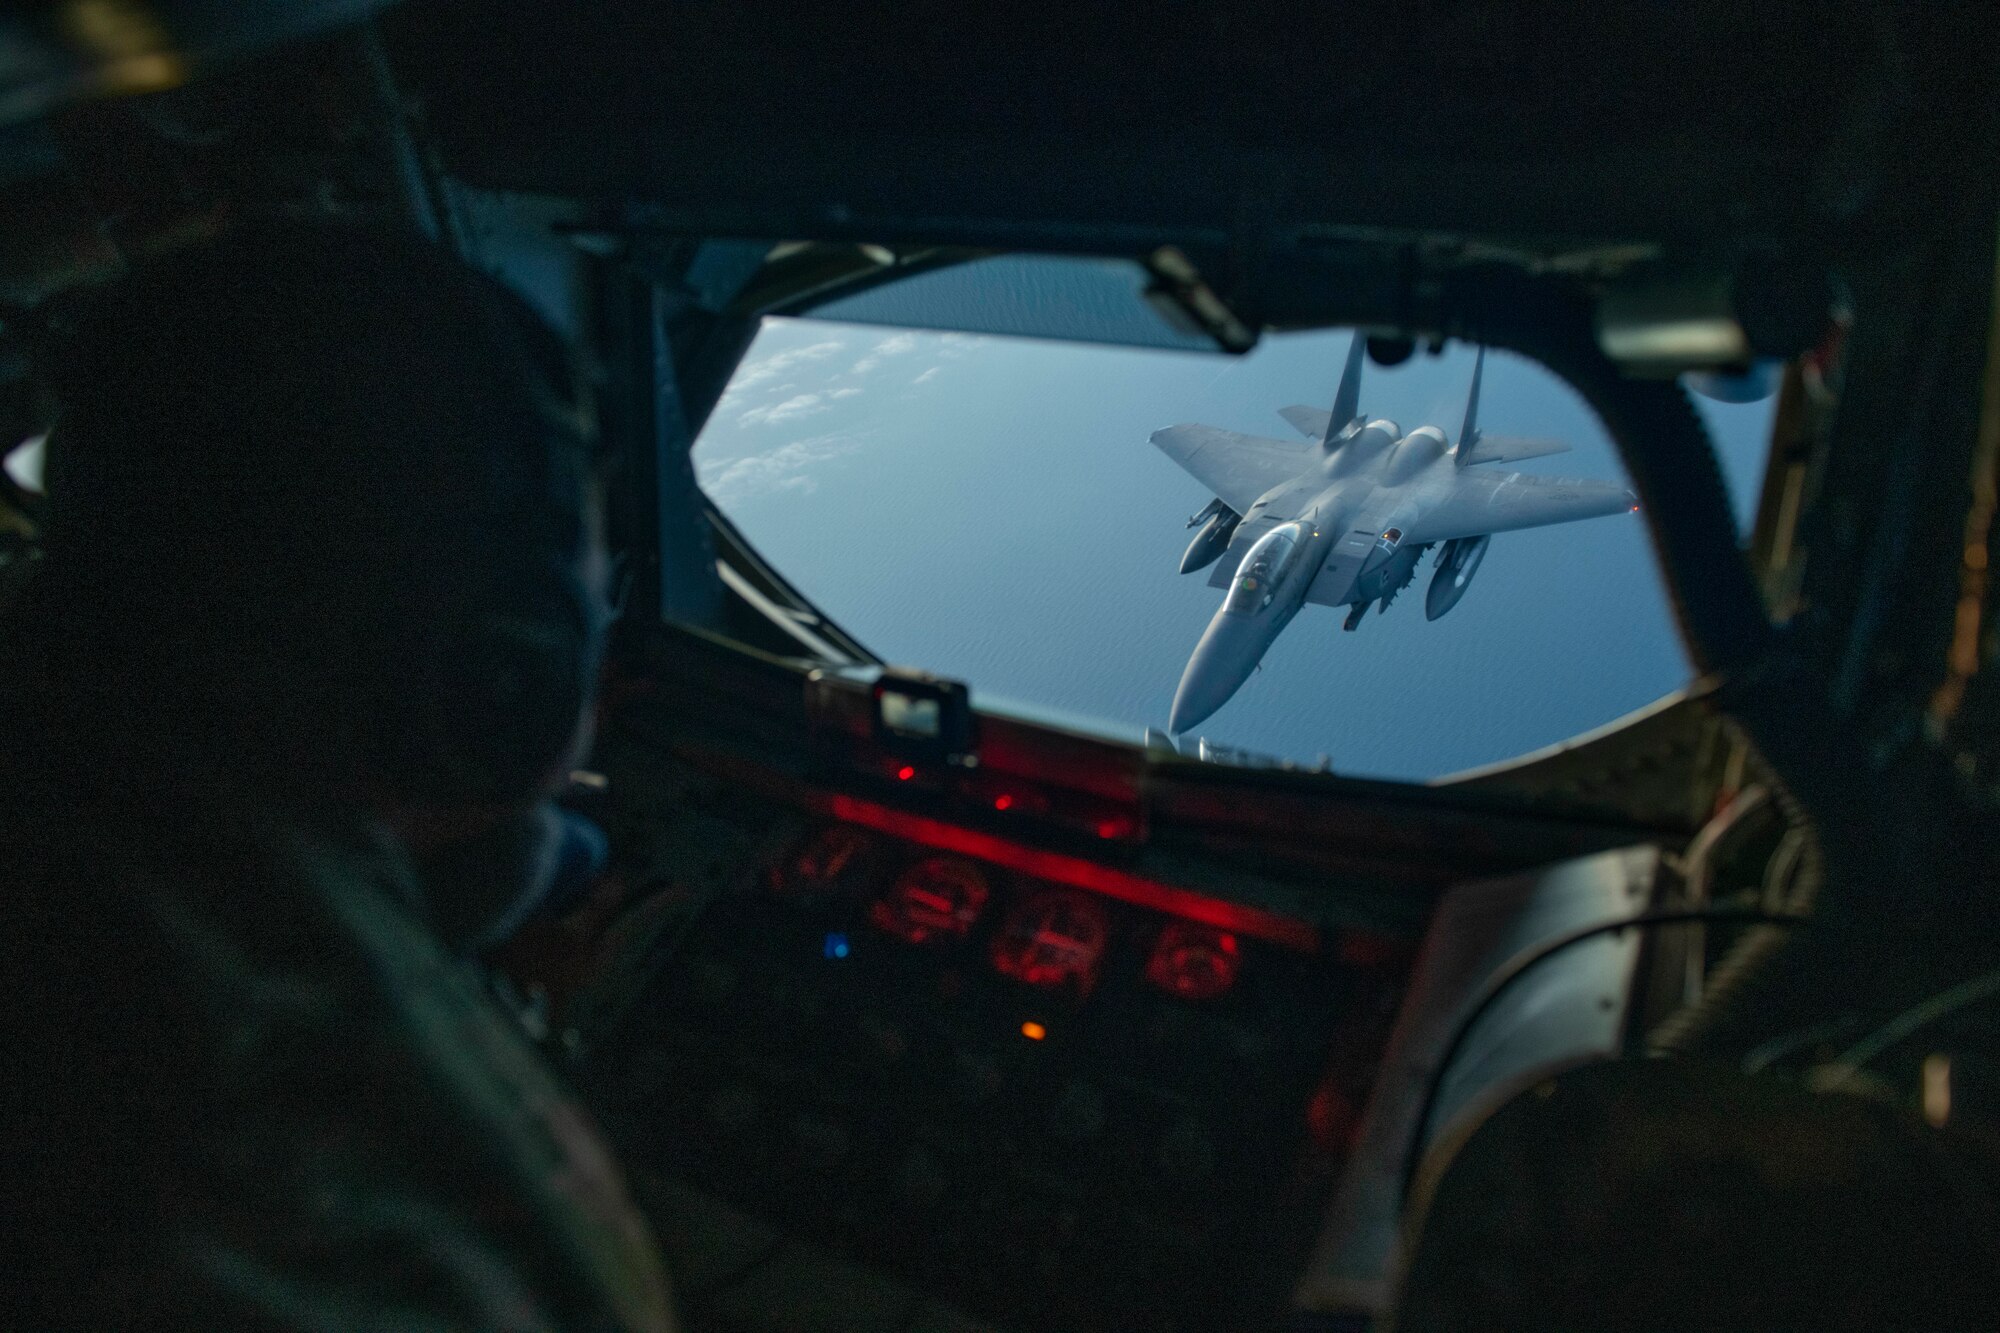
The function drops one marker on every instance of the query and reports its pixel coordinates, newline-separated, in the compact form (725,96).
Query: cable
(1906,1024)
(1526,961)
(1794,866)
(1698,863)
(1698,878)
(1781,871)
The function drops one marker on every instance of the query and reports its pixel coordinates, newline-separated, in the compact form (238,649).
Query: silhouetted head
(320,525)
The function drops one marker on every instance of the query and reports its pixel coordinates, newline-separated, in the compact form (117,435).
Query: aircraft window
(1011,512)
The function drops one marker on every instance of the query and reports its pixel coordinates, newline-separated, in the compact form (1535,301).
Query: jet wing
(1484,502)
(1238,468)
(1511,449)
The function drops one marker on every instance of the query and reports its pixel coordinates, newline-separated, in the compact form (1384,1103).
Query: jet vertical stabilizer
(1347,400)
(1468,434)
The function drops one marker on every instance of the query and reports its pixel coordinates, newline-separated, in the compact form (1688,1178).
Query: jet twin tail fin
(1347,399)
(1474,446)
(1468,434)
(1325,426)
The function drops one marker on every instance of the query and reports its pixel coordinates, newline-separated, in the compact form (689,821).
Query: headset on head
(501,717)
(488,708)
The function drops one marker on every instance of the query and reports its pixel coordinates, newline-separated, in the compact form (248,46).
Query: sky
(989,508)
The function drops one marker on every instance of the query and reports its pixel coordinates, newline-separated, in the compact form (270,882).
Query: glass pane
(991,509)
(1264,567)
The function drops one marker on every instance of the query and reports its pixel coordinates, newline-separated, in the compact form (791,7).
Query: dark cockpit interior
(903,1011)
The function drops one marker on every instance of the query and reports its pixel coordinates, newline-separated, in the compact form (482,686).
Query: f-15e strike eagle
(1342,521)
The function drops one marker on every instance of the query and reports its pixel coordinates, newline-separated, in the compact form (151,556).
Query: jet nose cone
(1222,661)
(1186,712)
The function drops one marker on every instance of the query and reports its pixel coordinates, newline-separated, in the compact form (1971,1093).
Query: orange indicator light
(1033,1031)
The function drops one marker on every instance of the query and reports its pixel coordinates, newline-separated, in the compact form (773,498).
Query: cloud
(791,409)
(927,376)
(894,345)
(784,468)
(754,374)
(952,346)
(848,392)
(778,363)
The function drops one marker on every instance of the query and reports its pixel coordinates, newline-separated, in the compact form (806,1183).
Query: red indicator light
(905,773)
(935,899)
(1033,1031)
(1194,962)
(1003,802)
(1113,828)
(1053,941)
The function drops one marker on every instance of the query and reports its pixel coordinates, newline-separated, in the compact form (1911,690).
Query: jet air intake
(1218,524)
(1457,563)
(1388,568)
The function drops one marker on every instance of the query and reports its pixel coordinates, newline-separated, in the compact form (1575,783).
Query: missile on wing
(1457,563)
(1218,525)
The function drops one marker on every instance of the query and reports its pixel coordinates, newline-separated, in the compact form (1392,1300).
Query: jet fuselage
(1333,511)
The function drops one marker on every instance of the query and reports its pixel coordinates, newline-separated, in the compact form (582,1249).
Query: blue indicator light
(836,945)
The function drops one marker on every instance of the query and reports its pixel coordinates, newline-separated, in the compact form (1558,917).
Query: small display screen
(912,717)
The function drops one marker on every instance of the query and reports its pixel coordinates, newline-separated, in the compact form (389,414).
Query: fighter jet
(1342,519)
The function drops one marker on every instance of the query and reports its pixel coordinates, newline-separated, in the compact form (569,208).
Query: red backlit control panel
(1057,1108)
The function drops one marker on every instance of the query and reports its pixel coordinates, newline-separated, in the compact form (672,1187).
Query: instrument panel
(1054,1108)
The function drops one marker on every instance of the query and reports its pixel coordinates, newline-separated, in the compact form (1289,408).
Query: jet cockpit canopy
(1264,567)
